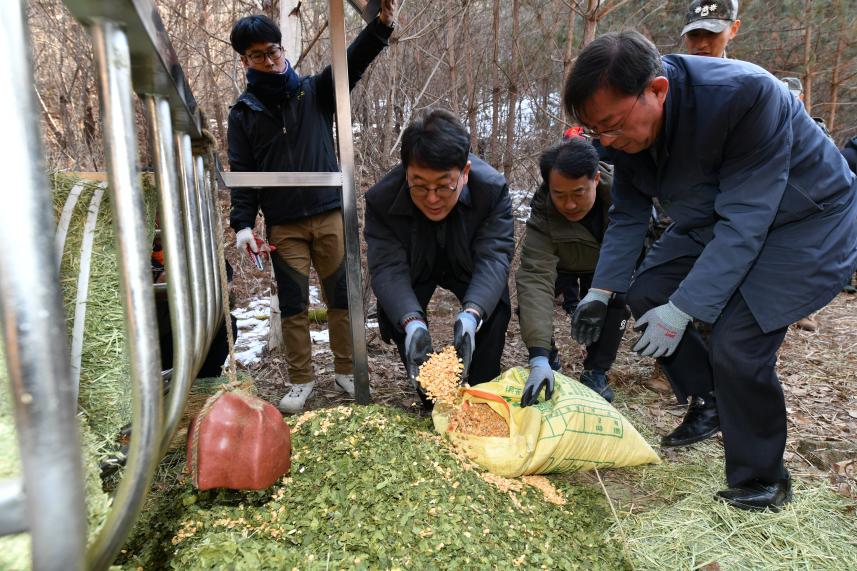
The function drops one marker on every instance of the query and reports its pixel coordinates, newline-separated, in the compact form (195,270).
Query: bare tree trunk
(508,155)
(290,24)
(453,70)
(835,74)
(807,58)
(569,52)
(590,22)
(495,84)
(471,89)
(389,108)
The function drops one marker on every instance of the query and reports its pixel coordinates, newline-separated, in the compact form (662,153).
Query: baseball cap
(712,15)
(794,84)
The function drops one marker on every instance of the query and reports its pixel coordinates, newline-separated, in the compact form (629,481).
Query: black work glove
(464,339)
(541,376)
(417,347)
(588,319)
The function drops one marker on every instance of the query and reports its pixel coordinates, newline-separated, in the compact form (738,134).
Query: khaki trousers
(316,240)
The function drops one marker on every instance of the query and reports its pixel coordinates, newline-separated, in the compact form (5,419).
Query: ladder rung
(275,179)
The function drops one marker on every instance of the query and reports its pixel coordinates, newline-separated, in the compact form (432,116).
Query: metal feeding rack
(132,54)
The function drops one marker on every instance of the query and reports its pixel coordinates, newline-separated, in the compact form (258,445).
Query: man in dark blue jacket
(443,218)
(764,208)
(284,123)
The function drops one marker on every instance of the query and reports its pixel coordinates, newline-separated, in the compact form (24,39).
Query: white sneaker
(295,399)
(344,383)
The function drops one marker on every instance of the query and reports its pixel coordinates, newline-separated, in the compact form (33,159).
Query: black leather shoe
(700,422)
(597,381)
(759,496)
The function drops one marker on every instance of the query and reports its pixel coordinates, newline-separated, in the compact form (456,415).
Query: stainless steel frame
(175,260)
(192,226)
(353,272)
(33,323)
(206,238)
(130,44)
(273,179)
(113,62)
(345,181)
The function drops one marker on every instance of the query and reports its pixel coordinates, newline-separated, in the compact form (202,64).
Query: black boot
(759,495)
(700,422)
(597,381)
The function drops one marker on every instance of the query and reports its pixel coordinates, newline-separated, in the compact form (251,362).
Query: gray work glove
(464,339)
(541,376)
(663,327)
(417,346)
(588,318)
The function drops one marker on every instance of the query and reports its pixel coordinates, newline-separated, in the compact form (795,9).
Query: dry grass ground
(818,371)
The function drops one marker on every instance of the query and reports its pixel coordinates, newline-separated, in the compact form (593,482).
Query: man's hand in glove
(417,346)
(541,376)
(588,318)
(464,339)
(245,239)
(663,328)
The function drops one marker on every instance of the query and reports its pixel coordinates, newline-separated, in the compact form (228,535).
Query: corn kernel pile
(440,376)
(478,419)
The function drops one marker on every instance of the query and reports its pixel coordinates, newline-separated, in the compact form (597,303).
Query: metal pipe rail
(112,57)
(34,328)
(49,501)
(132,52)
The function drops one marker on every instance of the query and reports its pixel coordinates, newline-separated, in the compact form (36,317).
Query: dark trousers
(738,365)
(490,339)
(601,354)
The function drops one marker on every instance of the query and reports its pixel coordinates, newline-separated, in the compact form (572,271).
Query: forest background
(499,65)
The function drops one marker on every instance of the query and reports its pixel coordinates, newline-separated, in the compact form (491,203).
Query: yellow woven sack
(575,430)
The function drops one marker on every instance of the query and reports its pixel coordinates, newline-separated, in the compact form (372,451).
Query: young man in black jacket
(441,218)
(284,123)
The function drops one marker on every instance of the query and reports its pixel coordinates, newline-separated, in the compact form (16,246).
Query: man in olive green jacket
(563,240)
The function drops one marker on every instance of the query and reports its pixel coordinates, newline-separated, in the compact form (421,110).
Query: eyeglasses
(442,191)
(619,130)
(275,54)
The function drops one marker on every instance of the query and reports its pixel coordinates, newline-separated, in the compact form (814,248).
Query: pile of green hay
(15,549)
(105,380)
(680,525)
(371,487)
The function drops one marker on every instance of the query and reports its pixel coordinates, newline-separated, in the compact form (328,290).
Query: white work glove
(245,239)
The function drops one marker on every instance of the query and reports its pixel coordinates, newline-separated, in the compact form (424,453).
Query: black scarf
(273,88)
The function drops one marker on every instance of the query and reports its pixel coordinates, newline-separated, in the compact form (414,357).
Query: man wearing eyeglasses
(284,123)
(442,218)
(763,206)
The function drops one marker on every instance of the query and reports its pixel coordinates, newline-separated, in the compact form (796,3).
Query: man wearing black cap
(709,26)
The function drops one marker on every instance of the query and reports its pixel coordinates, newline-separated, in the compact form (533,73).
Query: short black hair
(436,140)
(623,61)
(573,158)
(251,30)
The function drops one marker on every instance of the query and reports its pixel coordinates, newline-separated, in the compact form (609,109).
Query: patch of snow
(254,324)
(314,296)
(322,336)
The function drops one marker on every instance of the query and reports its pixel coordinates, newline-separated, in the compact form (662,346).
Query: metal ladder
(132,52)
(344,180)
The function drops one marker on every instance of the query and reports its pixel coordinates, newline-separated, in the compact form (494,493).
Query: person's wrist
(539,361)
(412,322)
(599,295)
(679,317)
